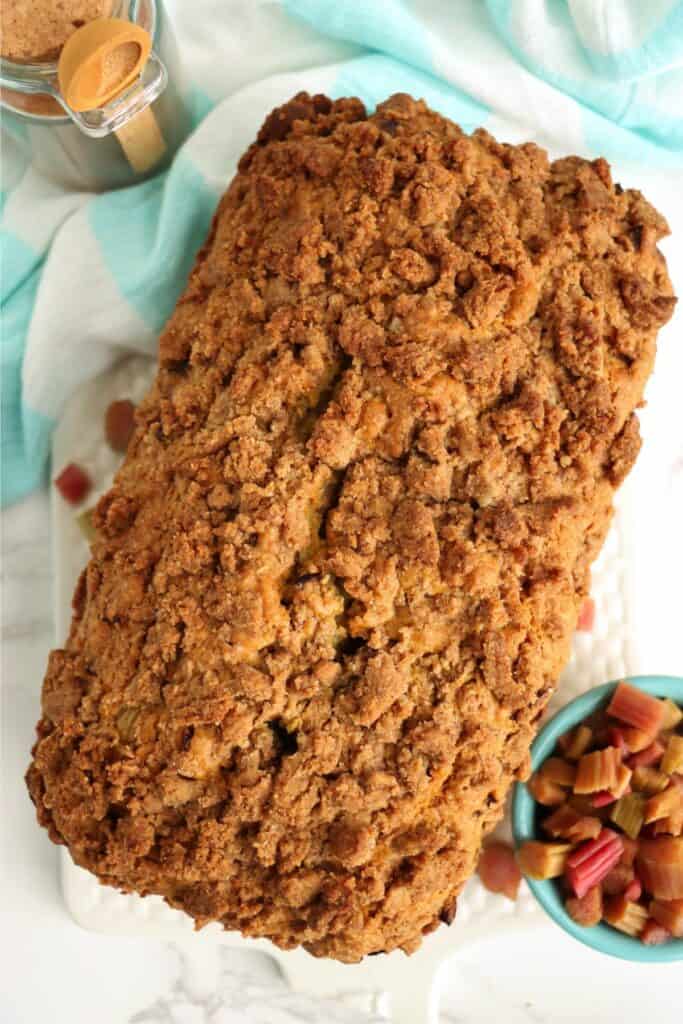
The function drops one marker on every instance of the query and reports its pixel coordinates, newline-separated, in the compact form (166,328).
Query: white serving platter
(405,987)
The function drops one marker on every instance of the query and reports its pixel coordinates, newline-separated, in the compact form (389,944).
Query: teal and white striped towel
(88,278)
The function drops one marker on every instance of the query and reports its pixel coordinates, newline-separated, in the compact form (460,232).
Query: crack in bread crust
(338,573)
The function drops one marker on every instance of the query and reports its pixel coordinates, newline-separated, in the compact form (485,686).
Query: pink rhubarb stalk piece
(650,755)
(634,890)
(586,616)
(586,911)
(592,860)
(73,483)
(617,739)
(499,871)
(603,798)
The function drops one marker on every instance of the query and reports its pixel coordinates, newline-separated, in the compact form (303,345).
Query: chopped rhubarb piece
(626,916)
(546,792)
(654,934)
(597,771)
(661,805)
(660,867)
(672,761)
(567,823)
(634,890)
(629,813)
(637,708)
(583,804)
(618,880)
(73,483)
(675,823)
(650,755)
(616,738)
(629,852)
(669,913)
(623,780)
(586,616)
(542,860)
(119,423)
(559,771)
(648,780)
(575,743)
(635,739)
(603,799)
(499,871)
(586,910)
(672,825)
(591,861)
(672,714)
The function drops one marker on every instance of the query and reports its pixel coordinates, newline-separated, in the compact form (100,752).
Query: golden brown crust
(340,568)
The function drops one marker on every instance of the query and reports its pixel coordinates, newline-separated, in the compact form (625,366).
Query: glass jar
(130,138)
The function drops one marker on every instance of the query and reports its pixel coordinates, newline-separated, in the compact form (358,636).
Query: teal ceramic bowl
(524,825)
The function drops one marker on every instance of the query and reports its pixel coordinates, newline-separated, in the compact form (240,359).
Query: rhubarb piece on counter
(597,771)
(661,805)
(659,863)
(636,708)
(617,880)
(542,860)
(545,792)
(672,714)
(119,424)
(499,870)
(559,771)
(73,483)
(586,910)
(669,914)
(646,779)
(586,616)
(590,862)
(672,760)
(567,823)
(629,813)
(626,916)
(650,755)
(653,934)
(576,742)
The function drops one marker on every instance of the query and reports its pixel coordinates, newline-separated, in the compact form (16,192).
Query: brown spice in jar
(36,30)
(41,104)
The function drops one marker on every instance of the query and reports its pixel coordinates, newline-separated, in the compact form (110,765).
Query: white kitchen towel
(87,278)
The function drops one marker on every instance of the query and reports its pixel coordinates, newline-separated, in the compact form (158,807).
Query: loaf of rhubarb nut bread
(337,576)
